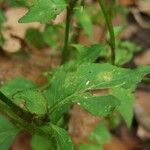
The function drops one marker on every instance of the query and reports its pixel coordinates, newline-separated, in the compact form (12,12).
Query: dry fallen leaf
(142,113)
(143,59)
(127,2)
(144,6)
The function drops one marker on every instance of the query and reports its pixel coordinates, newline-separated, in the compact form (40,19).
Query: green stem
(27,116)
(16,109)
(65,51)
(21,123)
(110,28)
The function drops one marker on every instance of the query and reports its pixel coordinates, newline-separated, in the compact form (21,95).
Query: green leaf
(63,140)
(97,138)
(31,100)
(70,83)
(90,147)
(2,17)
(43,11)
(126,98)
(34,38)
(56,92)
(99,105)
(18,84)
(88,54)
(40,143)
(100,135)
(50,36)
(84,19)
(18,3)
(100,76)
(7,133)
(125,51)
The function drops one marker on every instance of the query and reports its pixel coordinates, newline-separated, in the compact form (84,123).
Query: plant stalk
(108,20)
(65,51)
(21,123)
(27,116)
(16,109)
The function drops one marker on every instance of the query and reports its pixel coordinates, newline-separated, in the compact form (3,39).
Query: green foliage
(39,143)
(44,11)
(97,138)
(100,135)
(34,38)
(88,54)
(2,20)
(62,138)
(127,100)
(50,36)
(32,101)
(16,85)
(7,133)
(71,83)
(125,51)
(18,3)
(99,105)
(24,94)
(84,20)
(2,17)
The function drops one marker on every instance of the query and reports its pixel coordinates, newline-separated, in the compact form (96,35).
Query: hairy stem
(27,116)
(16,109)
(110,28)
(65,51)
(5,110)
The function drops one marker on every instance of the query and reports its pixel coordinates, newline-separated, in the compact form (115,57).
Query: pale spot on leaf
(87,83)
(106,76)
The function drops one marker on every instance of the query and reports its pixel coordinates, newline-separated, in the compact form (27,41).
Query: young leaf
(88,54)
(63,140)
(31,100)
(99,105)
(43,11)
(125,51)
(39,143)
(126,98)
(97,138)
(7,133)
(84,19)
(18,84)
(50,36)
(100,135)
(34,38)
